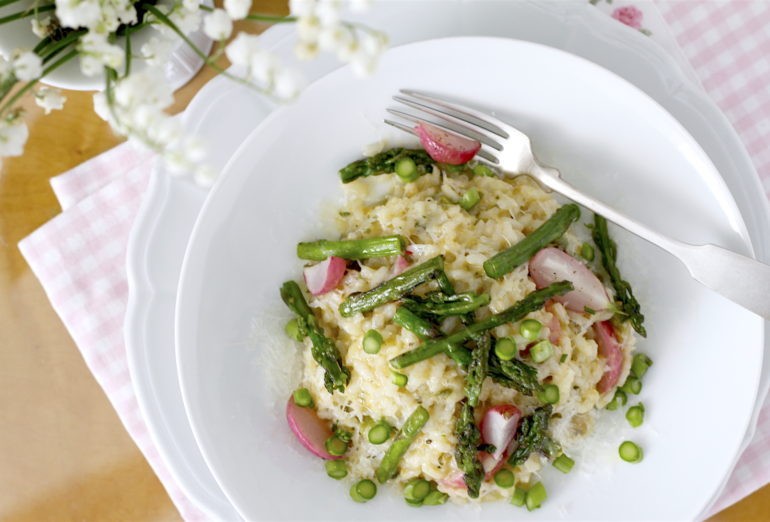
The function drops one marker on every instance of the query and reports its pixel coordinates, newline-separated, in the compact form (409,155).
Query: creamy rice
(424,213)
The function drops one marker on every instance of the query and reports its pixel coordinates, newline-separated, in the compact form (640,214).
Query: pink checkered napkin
(80,259)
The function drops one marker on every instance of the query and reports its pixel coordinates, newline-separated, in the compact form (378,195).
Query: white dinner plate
(610,140)
(169,209)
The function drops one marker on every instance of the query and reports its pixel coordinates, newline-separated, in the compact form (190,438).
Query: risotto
(464,218)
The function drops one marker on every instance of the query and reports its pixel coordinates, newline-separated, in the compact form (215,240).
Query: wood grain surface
(64,454)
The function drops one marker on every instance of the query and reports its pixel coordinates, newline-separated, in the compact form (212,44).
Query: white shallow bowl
(609,139)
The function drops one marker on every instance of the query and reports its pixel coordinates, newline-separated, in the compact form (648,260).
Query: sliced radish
(400,265)
(491,465)
(498,427)
(325,276)
(455,480)
(551,265)
(444,146)
(554,326)
(309,428)
(610,349)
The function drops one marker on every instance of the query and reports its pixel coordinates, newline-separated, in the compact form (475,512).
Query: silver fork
(739,278)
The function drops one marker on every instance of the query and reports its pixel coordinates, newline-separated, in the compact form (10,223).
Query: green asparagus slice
(514,374)
(530,303)
(477,369)
(500,264)
(426,330)
(385,163)
(444,284)
(446,305)
(325,353)
(531,436)
(466,451)
(459,354)
(629,306)
(352,248)
(392,289)
(401,443)
(414,323)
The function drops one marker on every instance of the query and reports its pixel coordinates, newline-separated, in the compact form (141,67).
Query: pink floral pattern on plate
(629,15)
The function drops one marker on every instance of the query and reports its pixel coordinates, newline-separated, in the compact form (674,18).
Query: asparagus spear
(514,374)
(608,249)
(425,330)
(477,369)
(325,353)
(531,436)
(468,435)
(414,323)
(500,264)
(443,305)
(352,248)
(385,163)
(444,284)
(401,443)
(530,303)
(466,451)
(459,354)
(393,289)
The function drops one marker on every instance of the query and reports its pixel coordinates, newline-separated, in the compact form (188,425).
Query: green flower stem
(7,105)
(42,45)
(24,14)
(51,50)
(270,18)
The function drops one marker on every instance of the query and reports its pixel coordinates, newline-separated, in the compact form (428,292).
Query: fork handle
(739,278)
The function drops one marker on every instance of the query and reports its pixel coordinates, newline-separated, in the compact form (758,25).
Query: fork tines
(451,117)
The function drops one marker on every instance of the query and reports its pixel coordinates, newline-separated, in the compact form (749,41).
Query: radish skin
(401,264)
(610,349)
(324,277)
(309,428)
(444,146)
(551,265)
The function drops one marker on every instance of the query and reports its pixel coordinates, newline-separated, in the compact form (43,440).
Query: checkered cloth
(79,256)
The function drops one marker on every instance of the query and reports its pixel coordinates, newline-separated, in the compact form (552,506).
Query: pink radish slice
(310,430)
(610,349)
(498,427)
(554,326)
(551,265)
(444,146)
(325,276)
(400,265)
(455,480)
(491,465)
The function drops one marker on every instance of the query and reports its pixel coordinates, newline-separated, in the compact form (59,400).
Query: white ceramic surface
(170,207)
(180,68)
(609,139)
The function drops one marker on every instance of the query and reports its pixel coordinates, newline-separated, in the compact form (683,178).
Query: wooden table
(64,455)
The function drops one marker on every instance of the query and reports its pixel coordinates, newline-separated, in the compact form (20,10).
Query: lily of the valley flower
(134,103)
(96,53)
(13,136)
(50,99)
(218,25)
(27,66)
